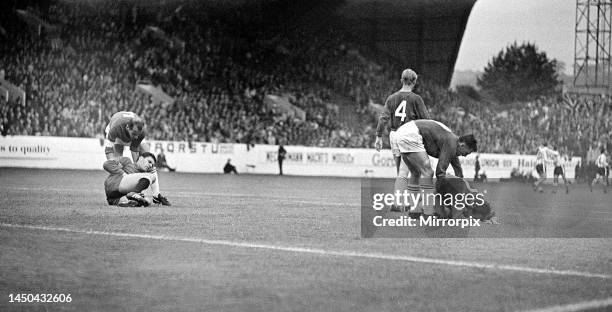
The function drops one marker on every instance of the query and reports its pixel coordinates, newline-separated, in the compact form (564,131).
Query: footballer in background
(542,158)
(602,167)
(128,129)
(405,106)
(559,162)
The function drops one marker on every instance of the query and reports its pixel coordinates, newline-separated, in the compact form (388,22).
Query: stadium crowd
(219,73)
(573,125)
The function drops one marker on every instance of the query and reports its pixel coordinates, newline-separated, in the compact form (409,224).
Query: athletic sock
(401,185)
(142,185)
(428,199)
(413,191)
(155,185)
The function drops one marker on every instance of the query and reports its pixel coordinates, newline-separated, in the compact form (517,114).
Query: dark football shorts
(601,171)
(558,170)
(540,169)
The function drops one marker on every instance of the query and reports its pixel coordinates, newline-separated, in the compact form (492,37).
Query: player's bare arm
(443,162)
(457,167)
(135,155)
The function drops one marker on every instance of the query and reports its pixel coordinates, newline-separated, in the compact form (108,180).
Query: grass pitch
(268,243)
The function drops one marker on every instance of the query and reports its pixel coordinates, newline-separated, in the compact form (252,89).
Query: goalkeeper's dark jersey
(400,108)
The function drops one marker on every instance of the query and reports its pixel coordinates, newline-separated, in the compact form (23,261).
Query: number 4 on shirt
(400,111)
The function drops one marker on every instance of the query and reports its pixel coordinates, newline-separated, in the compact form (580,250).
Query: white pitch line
(297,200)
(575,307)
(338,253)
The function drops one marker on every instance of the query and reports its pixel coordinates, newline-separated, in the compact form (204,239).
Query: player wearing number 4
(127,129)
(406,106)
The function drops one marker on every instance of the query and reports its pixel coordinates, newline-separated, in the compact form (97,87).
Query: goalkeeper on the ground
(128,129)
(452,185)
(130,184)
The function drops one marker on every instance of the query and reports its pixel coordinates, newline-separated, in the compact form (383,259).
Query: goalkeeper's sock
(155,185)
(142,185)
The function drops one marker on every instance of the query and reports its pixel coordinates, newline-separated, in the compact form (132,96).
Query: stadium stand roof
(423,34)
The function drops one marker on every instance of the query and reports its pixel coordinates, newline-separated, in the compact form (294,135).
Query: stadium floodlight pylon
(592,46)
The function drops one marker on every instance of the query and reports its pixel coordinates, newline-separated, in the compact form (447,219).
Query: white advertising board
(88,153)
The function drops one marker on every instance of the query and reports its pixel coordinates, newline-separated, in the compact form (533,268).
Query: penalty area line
(575,307)
(317,251)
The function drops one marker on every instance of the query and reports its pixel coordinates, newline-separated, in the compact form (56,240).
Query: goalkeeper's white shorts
(408,138)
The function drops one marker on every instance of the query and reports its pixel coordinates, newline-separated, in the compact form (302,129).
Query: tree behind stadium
(519,73)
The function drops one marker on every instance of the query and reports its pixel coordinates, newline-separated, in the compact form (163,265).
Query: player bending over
(420,139)
(559,161)
(127,129)
(127,181)
(405,106)
(602,166)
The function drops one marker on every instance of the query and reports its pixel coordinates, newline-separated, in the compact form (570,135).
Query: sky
(494,24)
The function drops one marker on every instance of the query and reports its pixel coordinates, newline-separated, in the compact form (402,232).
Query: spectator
(221,76)
(281,157)
(229,168)
(162,162)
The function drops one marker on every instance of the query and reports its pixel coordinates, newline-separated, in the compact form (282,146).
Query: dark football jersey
(400,108)
(116,169)
(118,134)
(440,142)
